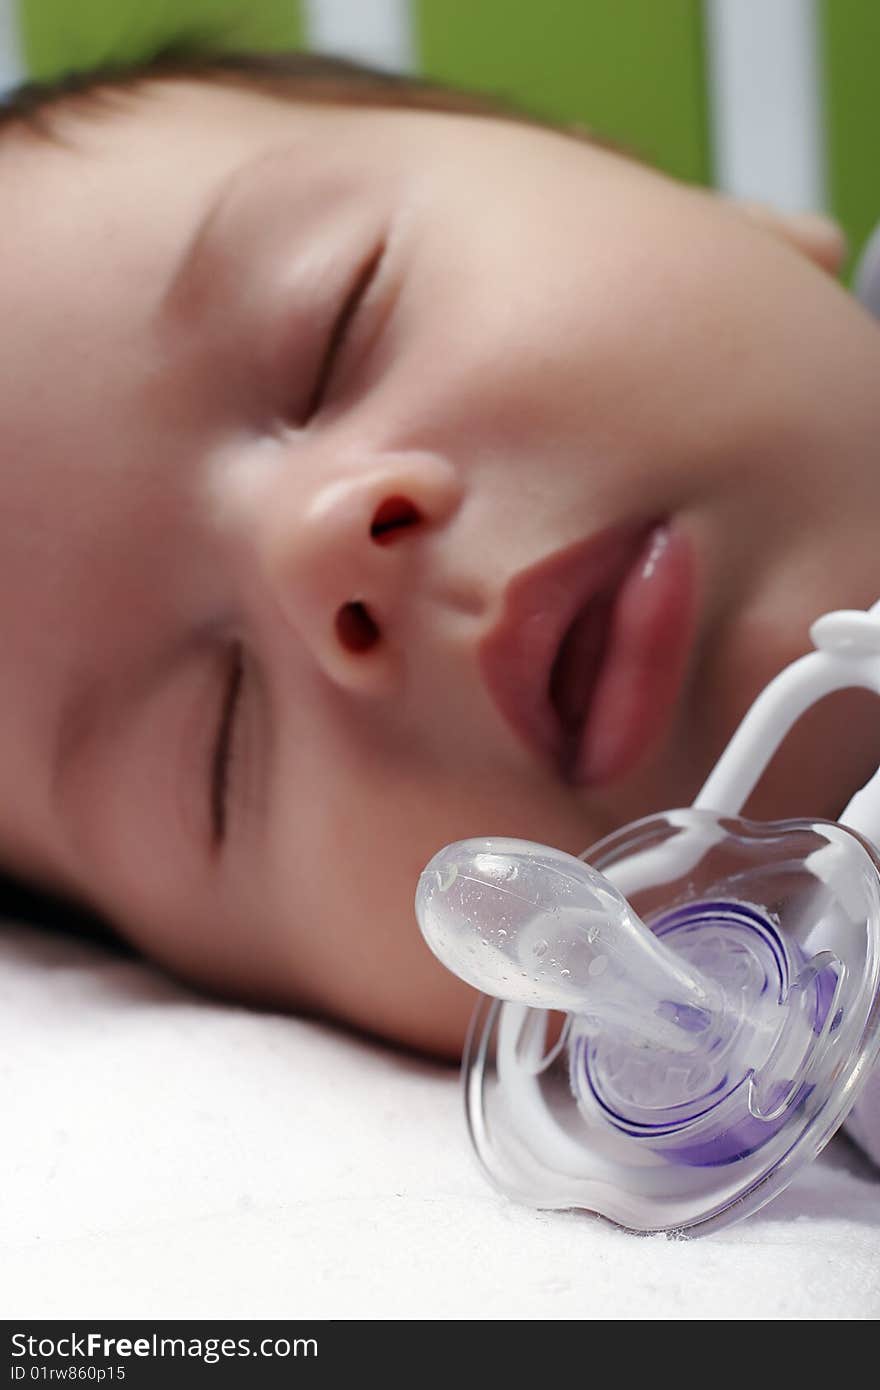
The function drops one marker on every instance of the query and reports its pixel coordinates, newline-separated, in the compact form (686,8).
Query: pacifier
(670,1031)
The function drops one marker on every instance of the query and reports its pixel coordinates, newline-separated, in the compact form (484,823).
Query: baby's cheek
(402,995)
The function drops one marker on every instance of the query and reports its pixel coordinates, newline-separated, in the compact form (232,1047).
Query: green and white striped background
(771,99)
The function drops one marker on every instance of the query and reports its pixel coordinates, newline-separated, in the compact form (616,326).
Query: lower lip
(650,634)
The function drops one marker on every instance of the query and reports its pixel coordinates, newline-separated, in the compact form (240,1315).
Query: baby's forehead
(98,409)
(98,208)
(163,142)
(102,199)
(96,217)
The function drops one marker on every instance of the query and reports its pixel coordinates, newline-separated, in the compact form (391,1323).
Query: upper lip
(539,607)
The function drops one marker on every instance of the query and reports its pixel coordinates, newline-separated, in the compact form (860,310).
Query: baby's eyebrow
(190,276)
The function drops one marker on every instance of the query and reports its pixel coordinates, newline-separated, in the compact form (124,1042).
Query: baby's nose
(344,556)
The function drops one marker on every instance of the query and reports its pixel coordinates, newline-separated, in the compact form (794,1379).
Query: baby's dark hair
(299,77)
(35,108)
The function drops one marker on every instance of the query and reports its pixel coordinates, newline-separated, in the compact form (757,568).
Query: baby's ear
(819,238)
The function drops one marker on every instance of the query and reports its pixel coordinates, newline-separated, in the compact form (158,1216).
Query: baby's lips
(540,603)
(651,638)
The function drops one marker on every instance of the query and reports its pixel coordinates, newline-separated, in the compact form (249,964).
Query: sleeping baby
(379,468)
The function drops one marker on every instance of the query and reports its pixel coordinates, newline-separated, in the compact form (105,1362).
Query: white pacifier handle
(847,654)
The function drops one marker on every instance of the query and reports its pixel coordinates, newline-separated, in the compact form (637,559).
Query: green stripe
(71,35)
(850,42)
(632,70)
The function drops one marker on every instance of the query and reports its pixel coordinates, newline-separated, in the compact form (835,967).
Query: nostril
(391,516)
(355,628)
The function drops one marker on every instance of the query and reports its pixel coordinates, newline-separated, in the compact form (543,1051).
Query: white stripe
(11,64)
(377,32)
(765,101)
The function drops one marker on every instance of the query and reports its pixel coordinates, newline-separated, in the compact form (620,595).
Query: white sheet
(164,1156)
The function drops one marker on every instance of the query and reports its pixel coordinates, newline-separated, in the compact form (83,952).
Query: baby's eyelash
(350,305)
(223,746)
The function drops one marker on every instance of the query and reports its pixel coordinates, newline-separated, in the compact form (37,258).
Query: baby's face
(320,429)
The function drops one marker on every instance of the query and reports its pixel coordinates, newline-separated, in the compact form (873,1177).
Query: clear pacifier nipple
(535,926)
(691,1034)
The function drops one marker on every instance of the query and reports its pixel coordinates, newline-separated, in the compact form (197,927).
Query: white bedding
(168,1157)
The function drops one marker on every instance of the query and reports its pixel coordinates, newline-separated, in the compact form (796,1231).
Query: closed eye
(223,749)
(342,324)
